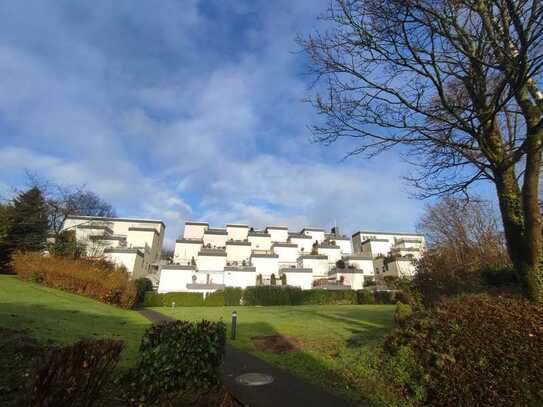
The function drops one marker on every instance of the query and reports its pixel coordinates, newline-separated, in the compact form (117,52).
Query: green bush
(152,299)
(143,285)
(179,357)
(233,295)
(272,295)
(329,297)
(215,299)
(402,313)
(365,297)
(499,277)
(476,350)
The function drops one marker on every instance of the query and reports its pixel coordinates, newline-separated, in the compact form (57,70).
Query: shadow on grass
(64,326)
(300,372)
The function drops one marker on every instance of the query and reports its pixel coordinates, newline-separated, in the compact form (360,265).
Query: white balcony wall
(211,263)
(304,245)
(333,254)
(303,279)
(345,246)
(277,234)
(132,261)
(319,265)
(260,242)
(185,251)
(238,252)
(316,235)
(364,264)
(237,232)
(195,230)
(174,280)
(266,265)
(286,254)
(236,278)
(215,240)
(355,280)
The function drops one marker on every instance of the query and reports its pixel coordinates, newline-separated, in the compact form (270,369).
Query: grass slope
(335,341)
(55,316)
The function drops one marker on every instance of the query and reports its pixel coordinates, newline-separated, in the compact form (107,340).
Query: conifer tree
(28,225)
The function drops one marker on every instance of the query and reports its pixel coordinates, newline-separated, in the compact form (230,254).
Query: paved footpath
(285,391)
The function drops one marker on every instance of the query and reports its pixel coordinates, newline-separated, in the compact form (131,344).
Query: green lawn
(56,316)
(335,341)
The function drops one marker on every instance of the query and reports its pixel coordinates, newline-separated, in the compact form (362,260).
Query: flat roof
(366,232)
(237,225)
(215,231)
(196,222)
(272,256)
(277,227)
(192,241)
(247,269)
(314,256)
(313,229)
(238,243)
(295,270)
(281,244)
(116,219)
(138,229)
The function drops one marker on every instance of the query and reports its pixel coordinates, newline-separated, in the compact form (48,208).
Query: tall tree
(455,84)
(28,227)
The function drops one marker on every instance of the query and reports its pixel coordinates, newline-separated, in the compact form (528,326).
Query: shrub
(500,277)
(365,297)
(402,313)
(74,375)
(272,295)
(385,297)
(182,299)
(99,280)
(233,295)
(143,285)
(329,297)
(181,356)
(476,350)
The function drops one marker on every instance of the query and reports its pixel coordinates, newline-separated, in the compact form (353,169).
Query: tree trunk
(532,217)
(522,228)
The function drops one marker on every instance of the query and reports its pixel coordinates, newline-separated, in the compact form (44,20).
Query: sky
(183,110)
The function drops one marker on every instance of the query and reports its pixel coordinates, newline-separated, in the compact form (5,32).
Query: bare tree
(455,84)
(465,231)
(66,200)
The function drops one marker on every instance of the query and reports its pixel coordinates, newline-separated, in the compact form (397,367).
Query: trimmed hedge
(270,295)
(233,295)
(345,297)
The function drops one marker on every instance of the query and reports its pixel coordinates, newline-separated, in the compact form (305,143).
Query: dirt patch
(276,343)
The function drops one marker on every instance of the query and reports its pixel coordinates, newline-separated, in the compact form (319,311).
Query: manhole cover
(254,379)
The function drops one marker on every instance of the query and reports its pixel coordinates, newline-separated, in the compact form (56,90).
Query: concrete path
(285,391)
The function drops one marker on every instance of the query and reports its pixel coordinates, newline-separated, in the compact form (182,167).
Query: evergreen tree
(5,246)
(28,226)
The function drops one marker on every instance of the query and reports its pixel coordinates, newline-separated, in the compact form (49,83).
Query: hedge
(270,295)
(329,297)
(233,295)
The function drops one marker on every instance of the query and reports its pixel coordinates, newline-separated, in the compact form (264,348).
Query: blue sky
(182,110)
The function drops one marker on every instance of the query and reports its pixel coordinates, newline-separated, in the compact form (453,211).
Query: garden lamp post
(234,325)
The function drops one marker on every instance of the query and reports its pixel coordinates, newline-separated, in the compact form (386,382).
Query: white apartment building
(393,254)
(133,243)
(209,258)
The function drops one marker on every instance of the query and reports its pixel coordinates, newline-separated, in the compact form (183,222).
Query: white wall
(238,252)
(266,265)
(333,253)
(316,234)
(260,242)
(288,253)
(237,232)
(195,230)
(355,280)
(239,278)
(303,243)
(345,246)
(215,240)
(301,279)
(132,260)
(186,250)
(278,234)
(319,265)
(173,279)
(212,263)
